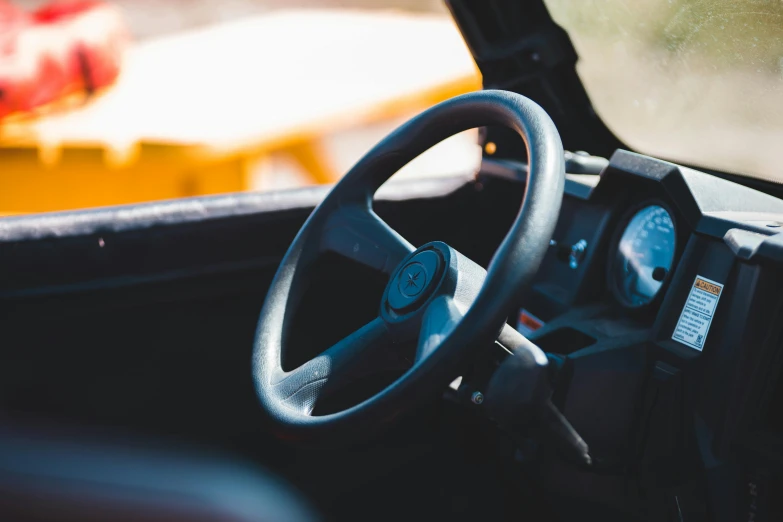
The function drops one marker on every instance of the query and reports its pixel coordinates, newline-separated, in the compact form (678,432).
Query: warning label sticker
(697,313)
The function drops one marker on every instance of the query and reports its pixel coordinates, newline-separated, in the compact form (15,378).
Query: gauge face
(644,255)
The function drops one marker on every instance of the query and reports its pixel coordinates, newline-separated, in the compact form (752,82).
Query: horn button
(414,282)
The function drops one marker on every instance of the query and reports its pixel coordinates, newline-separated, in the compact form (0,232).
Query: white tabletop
(251,82)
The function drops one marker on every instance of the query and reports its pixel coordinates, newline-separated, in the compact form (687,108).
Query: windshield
(692,81)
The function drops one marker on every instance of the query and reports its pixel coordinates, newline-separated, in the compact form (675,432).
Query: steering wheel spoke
(344,362)
(441,317)
(359,234)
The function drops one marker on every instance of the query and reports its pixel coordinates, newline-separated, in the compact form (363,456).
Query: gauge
(645,254)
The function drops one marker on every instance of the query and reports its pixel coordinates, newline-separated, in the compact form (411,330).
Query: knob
(578,251)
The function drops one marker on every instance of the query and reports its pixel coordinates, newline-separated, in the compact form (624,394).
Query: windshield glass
(692,81)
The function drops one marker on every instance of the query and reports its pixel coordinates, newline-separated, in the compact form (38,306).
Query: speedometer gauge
(645,254)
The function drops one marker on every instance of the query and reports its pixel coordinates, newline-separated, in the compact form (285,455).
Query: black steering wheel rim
(344,222)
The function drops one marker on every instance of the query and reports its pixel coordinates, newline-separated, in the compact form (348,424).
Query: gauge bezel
(615,245)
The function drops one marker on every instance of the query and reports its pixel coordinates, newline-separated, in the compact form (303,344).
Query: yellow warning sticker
(707,286)
(697,314)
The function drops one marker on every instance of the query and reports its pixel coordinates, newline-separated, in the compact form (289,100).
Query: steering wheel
(434,294)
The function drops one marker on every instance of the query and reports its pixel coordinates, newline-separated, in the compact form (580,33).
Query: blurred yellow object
(192,113)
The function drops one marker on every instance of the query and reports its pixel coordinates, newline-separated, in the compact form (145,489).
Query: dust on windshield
(698,82)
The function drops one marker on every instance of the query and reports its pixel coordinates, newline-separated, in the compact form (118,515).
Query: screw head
(477,397)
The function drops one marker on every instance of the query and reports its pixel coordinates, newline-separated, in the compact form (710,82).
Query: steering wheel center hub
(413,278)
(413,283)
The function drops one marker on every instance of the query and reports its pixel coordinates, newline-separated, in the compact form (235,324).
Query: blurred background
(151,18)
(234,95)
(138,100)
(693,81)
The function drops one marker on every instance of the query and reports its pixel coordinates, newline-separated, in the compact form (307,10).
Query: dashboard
(659,303)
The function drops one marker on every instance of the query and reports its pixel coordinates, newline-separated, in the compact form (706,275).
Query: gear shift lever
(519,395)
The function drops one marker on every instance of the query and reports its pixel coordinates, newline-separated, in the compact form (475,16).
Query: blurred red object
(62,49)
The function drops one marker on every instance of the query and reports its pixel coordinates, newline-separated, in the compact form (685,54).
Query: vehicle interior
(562,335)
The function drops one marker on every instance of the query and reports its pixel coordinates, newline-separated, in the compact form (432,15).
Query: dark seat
(54,478)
